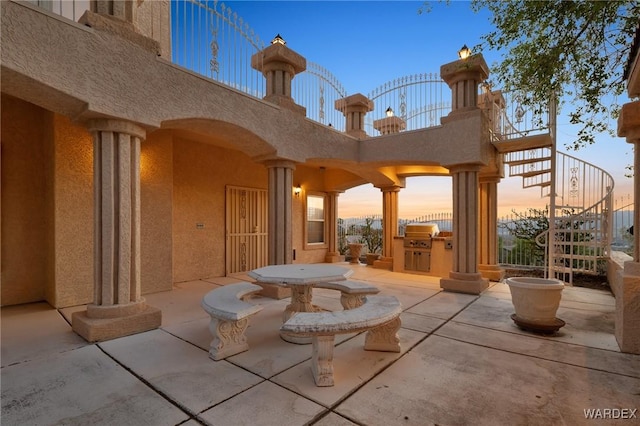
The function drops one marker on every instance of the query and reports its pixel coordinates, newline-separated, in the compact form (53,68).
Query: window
(315,219)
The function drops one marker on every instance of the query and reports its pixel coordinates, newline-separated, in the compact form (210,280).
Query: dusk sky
(365,44)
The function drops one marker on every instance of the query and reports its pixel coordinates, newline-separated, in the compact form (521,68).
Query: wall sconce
(389,112)
(278,40)
(464,52)
(297,190)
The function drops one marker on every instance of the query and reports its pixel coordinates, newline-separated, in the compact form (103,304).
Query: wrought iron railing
(209,38)
(317,90)
(70,9)
(621,230)
(420,100)
(510,115)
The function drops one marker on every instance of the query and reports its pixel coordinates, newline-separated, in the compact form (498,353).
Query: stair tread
(527,161)
(531,173)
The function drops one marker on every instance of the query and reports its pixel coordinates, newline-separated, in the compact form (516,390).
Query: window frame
(324,243)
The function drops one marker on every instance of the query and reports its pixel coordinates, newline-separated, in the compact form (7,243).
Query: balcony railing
(70,9)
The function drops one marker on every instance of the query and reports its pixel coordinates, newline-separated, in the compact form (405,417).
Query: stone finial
(463,77)
(354,108)
(279,65)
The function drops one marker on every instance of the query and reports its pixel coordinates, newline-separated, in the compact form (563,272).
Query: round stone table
(301,279)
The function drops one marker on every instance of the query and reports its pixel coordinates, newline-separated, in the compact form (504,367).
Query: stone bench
(379,315)
(229,318)
(353,292)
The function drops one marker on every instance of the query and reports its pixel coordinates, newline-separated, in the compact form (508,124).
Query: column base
(274,291)
(384,263)
(627,321)
(460,282)
(334,257)
(109,327)
(491,272)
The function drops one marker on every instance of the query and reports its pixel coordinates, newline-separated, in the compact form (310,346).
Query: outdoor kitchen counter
(441,257)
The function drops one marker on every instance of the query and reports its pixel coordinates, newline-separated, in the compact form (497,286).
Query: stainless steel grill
(417,246)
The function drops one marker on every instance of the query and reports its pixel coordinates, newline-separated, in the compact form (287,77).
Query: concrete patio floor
(463,361)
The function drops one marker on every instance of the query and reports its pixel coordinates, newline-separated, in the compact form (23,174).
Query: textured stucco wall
(200,174)
(156,198)
(72,156)
(25,225)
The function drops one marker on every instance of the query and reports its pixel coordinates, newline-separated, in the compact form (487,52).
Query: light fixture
(278,40)
(297,190)
(389,112)
(464,52)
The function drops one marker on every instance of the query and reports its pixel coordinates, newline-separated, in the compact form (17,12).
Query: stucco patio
(463,361)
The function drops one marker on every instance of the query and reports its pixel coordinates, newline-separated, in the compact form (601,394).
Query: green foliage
(526,227)
(370,236)
(575,49)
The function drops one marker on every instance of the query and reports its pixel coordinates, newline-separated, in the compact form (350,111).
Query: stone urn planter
(536,302)
(372,257)
(355,249)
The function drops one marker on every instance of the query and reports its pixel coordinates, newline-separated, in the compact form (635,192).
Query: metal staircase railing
(580,193)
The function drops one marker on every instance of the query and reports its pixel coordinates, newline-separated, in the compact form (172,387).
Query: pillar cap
(474,64)
(278,55)
(392,124)
(354,102)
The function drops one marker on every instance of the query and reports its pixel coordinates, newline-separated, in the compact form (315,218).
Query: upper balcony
(209,38)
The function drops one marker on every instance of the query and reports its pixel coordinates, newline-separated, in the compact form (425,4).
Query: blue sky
(365,44)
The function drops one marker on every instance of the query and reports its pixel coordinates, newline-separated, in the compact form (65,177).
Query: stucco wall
(156,198)
(25,237)
(72,178)
(200,175)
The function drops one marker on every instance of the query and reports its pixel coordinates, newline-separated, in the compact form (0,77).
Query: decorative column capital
(116,126)
(390,188)
(460,168)
(277,162)
(489,179)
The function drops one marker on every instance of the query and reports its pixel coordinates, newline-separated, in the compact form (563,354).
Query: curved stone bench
(353,292)
(229,318)
(379,315)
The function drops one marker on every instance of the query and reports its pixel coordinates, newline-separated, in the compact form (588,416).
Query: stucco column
(389,225)
(280,227)
(118,309)
(331,219)
(121,9)
(354,108)
(463,77)
(279,65)
(488,229)
(627,292)
(464,277)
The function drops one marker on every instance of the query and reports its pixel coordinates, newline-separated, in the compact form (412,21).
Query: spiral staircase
(580,193)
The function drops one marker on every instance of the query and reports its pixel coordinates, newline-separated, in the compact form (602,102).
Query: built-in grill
(417,246)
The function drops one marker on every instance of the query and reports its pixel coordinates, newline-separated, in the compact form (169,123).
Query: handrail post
(551,236)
